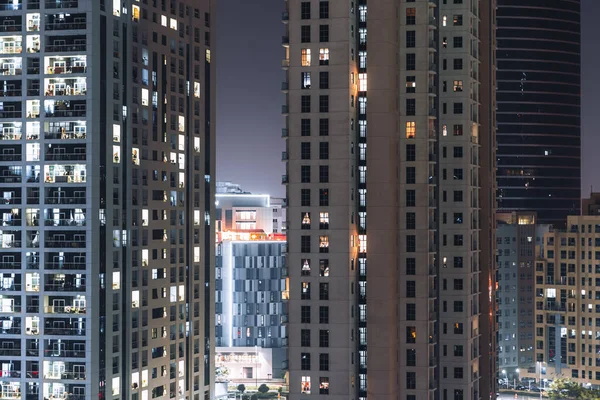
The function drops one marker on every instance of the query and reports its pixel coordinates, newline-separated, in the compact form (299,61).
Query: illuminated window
(163,20)
(362,243)
(305,267)
(444,130)
(305,293)
(324,220)
(458,86)
(116,280)
(323,385)
(116,154)
(362,82)
(305,385)
(197,90)
(306,57)
(444,19)
(457,130)
(173,23)
(144,97)
(306,220)
(324,56)
(323,244)
(411,129)
(324,268)
(135,13)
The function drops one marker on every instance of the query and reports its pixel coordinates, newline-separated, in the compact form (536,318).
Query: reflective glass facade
(539,123)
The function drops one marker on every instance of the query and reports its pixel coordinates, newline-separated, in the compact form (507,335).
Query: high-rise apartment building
(106,167)
(567,327)
(390,182)
(519,241)
(539,108)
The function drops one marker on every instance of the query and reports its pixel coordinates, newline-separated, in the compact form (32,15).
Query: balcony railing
(62,3)
(65,265)
(65,47)
(64,331)
(64,310)
(66,243)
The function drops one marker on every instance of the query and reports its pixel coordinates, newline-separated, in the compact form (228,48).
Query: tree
(241,388)
(263,388)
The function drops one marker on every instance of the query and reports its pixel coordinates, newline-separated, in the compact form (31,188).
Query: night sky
(249,99)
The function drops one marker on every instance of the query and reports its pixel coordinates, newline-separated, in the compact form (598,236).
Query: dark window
(411,14)
(410,39)
(305,33)
(411,380)
(305,174)
(305,10)
(305,337)
(323,80)
(458,130)
(411,106)
(458,195)
(305,104)
(411,311)
(305,361)
(323,291)
(458,349)
(323,173)
(323,197)
(411,289)
(324,362)
(458,307)
(305,127)
(458,108)
(323,9)
(323,33)
(324,127)
(411,243)
(458,393)
(411,220)
(305,151)
(458,240)
(323,315)
(305,314)
(458,284)
(324,338)
(411,175)
(324,103)
(458,174)
(457,20)
(458,152)
(458,42)
(458,262)
(411,266)
(411,152)
(305,244)
(458,63)
(411,61)
(458,218)
(410,198)
(305,197)
(458,373)
(324,150)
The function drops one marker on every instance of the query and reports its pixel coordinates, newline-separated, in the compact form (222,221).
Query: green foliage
(563,388)
(263,388)
(241,388)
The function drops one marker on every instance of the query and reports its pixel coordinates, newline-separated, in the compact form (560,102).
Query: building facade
(251,286)
(568,303)
(412,314)
(539,108)
(519,243)
(107,143)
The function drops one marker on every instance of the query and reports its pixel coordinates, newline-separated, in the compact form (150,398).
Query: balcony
(284,179)
(73,130)
(65,108)
(12,23)
(62,3)
(11,110)
(11,5)
(285,63)
(11,66)
(285,17)
(284,156)
(11,45)
(62,44)
(285,87)
(285,41)
(66,65)
(65,22)
(65,87)
(284,132)
(61,240)
(65,326)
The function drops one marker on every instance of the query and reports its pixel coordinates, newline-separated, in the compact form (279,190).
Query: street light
(518,379)
(505,377)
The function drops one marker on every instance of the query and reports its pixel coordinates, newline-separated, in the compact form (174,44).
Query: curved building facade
(539,130)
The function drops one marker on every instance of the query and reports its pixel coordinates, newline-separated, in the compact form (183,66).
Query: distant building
(517,236)
(250,284)
(279,215)
(567,296)
(591,206)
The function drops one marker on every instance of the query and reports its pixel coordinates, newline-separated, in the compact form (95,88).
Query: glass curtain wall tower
(106,160)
